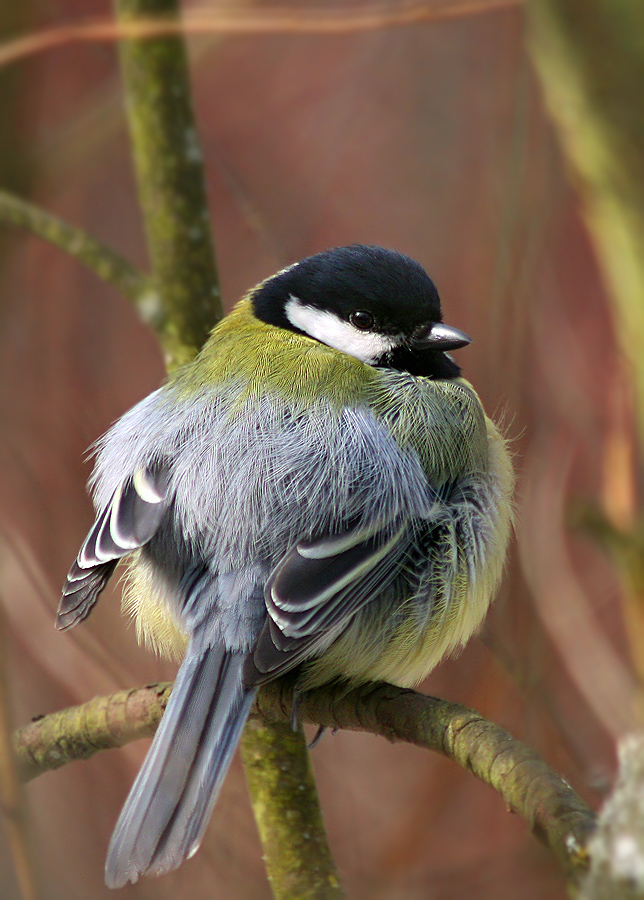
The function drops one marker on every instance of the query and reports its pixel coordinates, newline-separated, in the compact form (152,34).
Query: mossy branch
(171,181)
(78,732)
(172,192)
(281,783)
(555,813)
(104,262)
(13,805)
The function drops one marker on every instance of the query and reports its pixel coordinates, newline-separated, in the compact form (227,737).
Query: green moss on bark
(171,182)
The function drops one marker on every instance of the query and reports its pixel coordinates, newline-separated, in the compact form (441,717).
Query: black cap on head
(393,287)
(335,295)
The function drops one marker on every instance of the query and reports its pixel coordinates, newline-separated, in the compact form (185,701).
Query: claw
(317,737)
(296,701)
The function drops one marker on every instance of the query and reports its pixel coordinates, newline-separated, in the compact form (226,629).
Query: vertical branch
(171,185)
(590,58)
(17,173)
(12,801)
(282,788)
(171,181)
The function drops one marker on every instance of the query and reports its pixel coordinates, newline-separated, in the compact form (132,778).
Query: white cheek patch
(333,331)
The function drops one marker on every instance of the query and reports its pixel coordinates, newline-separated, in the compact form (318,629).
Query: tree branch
(590,58)
(616,848)
(282,787)
(78,732)
(12,800)
(172,192)
(171,182)
(105,263)
(555,813)
(239,21)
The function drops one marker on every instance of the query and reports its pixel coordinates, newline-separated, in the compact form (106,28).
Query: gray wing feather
(127,522)
(168,808)
(317,587)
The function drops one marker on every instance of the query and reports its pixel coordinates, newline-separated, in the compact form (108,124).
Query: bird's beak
(440,337)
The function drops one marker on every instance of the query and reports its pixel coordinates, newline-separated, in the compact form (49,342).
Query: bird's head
(374,304)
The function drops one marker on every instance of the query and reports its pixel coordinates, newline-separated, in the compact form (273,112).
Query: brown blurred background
(430,139)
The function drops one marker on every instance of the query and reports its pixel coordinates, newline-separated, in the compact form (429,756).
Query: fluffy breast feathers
(303,441)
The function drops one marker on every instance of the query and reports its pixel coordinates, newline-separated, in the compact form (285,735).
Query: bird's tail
(168,808)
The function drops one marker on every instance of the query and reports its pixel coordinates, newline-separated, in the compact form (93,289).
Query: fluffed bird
(318,491)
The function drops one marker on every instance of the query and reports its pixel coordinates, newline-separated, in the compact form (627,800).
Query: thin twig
(245,22)
(104,262)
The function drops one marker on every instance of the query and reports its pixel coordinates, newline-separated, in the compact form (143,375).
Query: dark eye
(361,319)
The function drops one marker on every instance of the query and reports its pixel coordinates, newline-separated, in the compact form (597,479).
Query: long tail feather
(168,808)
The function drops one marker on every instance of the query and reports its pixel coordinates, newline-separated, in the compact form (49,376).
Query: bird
(318,492)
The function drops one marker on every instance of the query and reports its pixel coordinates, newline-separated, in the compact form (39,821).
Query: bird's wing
(127,522)
(318,586)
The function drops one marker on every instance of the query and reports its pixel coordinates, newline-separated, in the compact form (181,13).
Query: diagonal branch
(200,20)
(555,813)
(104,262)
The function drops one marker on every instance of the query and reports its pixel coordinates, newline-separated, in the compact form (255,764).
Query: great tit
(318,491)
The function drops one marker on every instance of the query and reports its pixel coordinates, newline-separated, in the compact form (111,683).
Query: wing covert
(128,522)
(317,587)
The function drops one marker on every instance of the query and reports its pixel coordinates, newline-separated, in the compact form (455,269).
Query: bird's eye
(361,319)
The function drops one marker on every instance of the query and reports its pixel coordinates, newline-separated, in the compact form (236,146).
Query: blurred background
(433,139)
